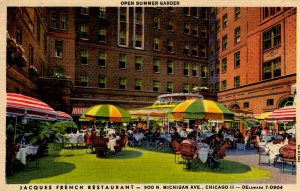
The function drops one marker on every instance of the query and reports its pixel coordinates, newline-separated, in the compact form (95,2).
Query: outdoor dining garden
(187,142)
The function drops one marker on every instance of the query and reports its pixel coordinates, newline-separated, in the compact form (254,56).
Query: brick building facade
(75,57)
(257,57)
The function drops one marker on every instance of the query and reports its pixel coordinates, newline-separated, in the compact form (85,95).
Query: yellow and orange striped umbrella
(106,112)
(202,109)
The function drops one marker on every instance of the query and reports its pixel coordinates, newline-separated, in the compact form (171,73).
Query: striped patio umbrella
(21,105)
(263,116)
(106,113)
(63,116)
(284,114)
(202,109)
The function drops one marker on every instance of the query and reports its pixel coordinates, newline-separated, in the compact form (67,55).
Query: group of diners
(103,143)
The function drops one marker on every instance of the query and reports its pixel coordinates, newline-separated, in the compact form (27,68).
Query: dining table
(24,151)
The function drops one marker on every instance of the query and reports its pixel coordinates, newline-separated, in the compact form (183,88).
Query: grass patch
(135,166)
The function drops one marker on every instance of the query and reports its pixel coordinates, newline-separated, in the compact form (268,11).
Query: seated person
(112,140)
(191,139)
(175,135)
(183,133)
(215,145)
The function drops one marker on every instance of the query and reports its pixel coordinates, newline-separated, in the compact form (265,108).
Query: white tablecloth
(138,136)
(111,144)
(75,138)
(23,152)
(266,138)
(203,152)
(273,150)
(167,137)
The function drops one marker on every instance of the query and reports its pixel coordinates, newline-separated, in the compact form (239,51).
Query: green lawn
(135,166)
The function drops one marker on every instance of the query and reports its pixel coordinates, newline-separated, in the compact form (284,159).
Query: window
(218,68)
(123,26)
(157,43)
(38,31)
(84,10)
(270,102)
(225,21)
(224,42)
(58,48)
(122,61)
(84,80)
(123,14)
(237,11)
(271,38)
(156,22)
(272,69)
(204,71)
(83,31)
(186,88)
(156,65)
(138,41)
(54,22)
(102,35)
(156,86)
(203,32)
(217,86)
(204,13)
(237,81)
(63,22)
(170,46)
(202,50)
(102,12)
(186,49)
(194,11)
(195,50)
(30,55)
(138,63)
(170,25)
(212,49)
(170,67)
(138,85)
(218,25)
(246,104)
(224,65)
(289,101)
(102,82)
(102,59)
(212,70)
(224,85)
(138,27)
(186,11)
(270,11)
(57,72)
(170,86)
(195,70)
(237,35)
(218,45)
(123,38)
(213,30)
(84,56)
(186,69)
(212,11)
(122,83)
(195,30)
(237,59)
(186,29)
(19,36)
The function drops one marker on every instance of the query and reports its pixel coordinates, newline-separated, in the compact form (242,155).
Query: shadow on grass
(229,168)
(127,154)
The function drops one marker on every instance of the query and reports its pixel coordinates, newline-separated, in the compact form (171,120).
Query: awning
(21,105)
(78,110)
(283,114)
(262,116)
(63,116)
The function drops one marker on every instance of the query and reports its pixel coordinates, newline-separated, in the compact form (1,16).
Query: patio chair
(287,155)
(100,145)
(121,145)
(176,149)
(32,160)
(187,152)
(263,152)
(218,156)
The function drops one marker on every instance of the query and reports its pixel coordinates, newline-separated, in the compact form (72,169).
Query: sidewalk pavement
(250,157)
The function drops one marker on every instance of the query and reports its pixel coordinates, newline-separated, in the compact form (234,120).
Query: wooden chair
(187,152)
(121,144)
(219,154)
(100,145)
(32,160)
(287,154)
(176,149)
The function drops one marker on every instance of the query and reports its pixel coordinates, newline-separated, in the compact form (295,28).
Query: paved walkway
(250,157)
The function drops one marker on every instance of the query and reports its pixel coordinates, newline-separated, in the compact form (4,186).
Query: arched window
(235,106)
(286,102)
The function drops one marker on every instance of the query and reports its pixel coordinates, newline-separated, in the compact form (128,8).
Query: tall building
(125,56)
(257,56)
(76,57)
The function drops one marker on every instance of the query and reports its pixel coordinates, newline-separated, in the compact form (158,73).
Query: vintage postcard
(149,95)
